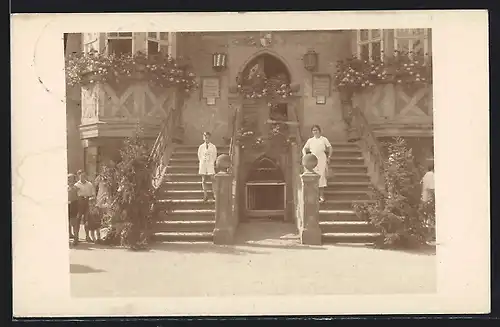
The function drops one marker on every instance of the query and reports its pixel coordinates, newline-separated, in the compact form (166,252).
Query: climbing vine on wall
(158,70)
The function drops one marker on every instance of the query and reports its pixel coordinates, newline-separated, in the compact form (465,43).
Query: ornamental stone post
(309,230)
(225,222)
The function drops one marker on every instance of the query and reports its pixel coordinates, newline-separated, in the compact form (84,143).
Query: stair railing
(162,149)
(297,169)
(370,146)
(234,155)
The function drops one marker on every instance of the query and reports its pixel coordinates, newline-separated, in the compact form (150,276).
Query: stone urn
(309,161)
(223,162)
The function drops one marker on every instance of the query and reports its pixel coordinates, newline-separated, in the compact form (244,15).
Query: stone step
(349,177)
(338,215)
(361,169)
(183,162)
(193,204)
(183,194)
(355,160)
(346,152)
(346,195)
(195,226)
(348,186)
(187,215)
(341,204)
(183,237)
(180,186)
(194,147)
(190,155)
(330,238)
(182,169)
(346,227)
(183,177)
(345,145)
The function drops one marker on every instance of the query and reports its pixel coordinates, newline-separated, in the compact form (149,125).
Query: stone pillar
(140,42)
(172,45)
(309,230)
(91,161)
(224,220)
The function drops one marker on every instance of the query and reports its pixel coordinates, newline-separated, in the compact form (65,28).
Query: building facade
(99,115)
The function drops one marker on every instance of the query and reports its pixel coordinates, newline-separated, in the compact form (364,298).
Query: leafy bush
(129,218)
(398,211)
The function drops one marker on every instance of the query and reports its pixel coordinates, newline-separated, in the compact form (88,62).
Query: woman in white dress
(319,146)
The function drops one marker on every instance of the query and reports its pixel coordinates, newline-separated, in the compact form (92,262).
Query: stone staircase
(349,184)
(183,215)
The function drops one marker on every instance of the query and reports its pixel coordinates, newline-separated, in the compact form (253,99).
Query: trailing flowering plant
(259,86)
(398,211)
(276,137)
(158,70)
(404,68)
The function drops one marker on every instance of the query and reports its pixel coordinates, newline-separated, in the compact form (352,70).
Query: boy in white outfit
(207,155)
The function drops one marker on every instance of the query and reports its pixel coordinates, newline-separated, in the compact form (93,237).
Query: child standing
(72,204)
(93,222)
(207,154)
(86,192)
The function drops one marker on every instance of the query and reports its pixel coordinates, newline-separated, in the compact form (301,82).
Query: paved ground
(267,260)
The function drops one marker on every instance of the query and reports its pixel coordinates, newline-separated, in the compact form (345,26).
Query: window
(158,43)
(411,40)
(370,44)
(120,43)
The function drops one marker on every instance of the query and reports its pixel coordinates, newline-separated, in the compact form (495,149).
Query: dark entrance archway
(266,180)
(265,191)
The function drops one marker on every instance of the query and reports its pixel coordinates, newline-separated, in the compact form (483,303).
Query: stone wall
(241,48)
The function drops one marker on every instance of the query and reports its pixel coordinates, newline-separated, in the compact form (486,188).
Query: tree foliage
(132,196)
(398,211)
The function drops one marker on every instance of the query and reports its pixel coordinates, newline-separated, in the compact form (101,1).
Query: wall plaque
(321,85)
(210,87)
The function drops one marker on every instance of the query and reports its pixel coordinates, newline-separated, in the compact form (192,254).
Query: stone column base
(310,236)
(223,236)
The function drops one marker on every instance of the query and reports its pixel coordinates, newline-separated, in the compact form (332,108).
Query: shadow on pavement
(203,248)
(425,250)
(91,246)
(82,269)
(270,234)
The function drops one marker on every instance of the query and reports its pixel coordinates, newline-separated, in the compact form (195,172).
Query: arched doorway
(265,191)
(263,194)
(263,73)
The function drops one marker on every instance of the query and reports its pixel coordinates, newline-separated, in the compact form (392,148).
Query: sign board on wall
(321,87)
(210,89)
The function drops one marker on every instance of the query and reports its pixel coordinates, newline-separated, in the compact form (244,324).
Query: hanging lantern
(219,61)
(310,60)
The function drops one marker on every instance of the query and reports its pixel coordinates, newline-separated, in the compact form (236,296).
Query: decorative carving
(266,39)
(263,39)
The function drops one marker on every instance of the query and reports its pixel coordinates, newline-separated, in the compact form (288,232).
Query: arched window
(267,66)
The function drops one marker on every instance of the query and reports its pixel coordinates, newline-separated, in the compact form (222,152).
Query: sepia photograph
(252,163)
